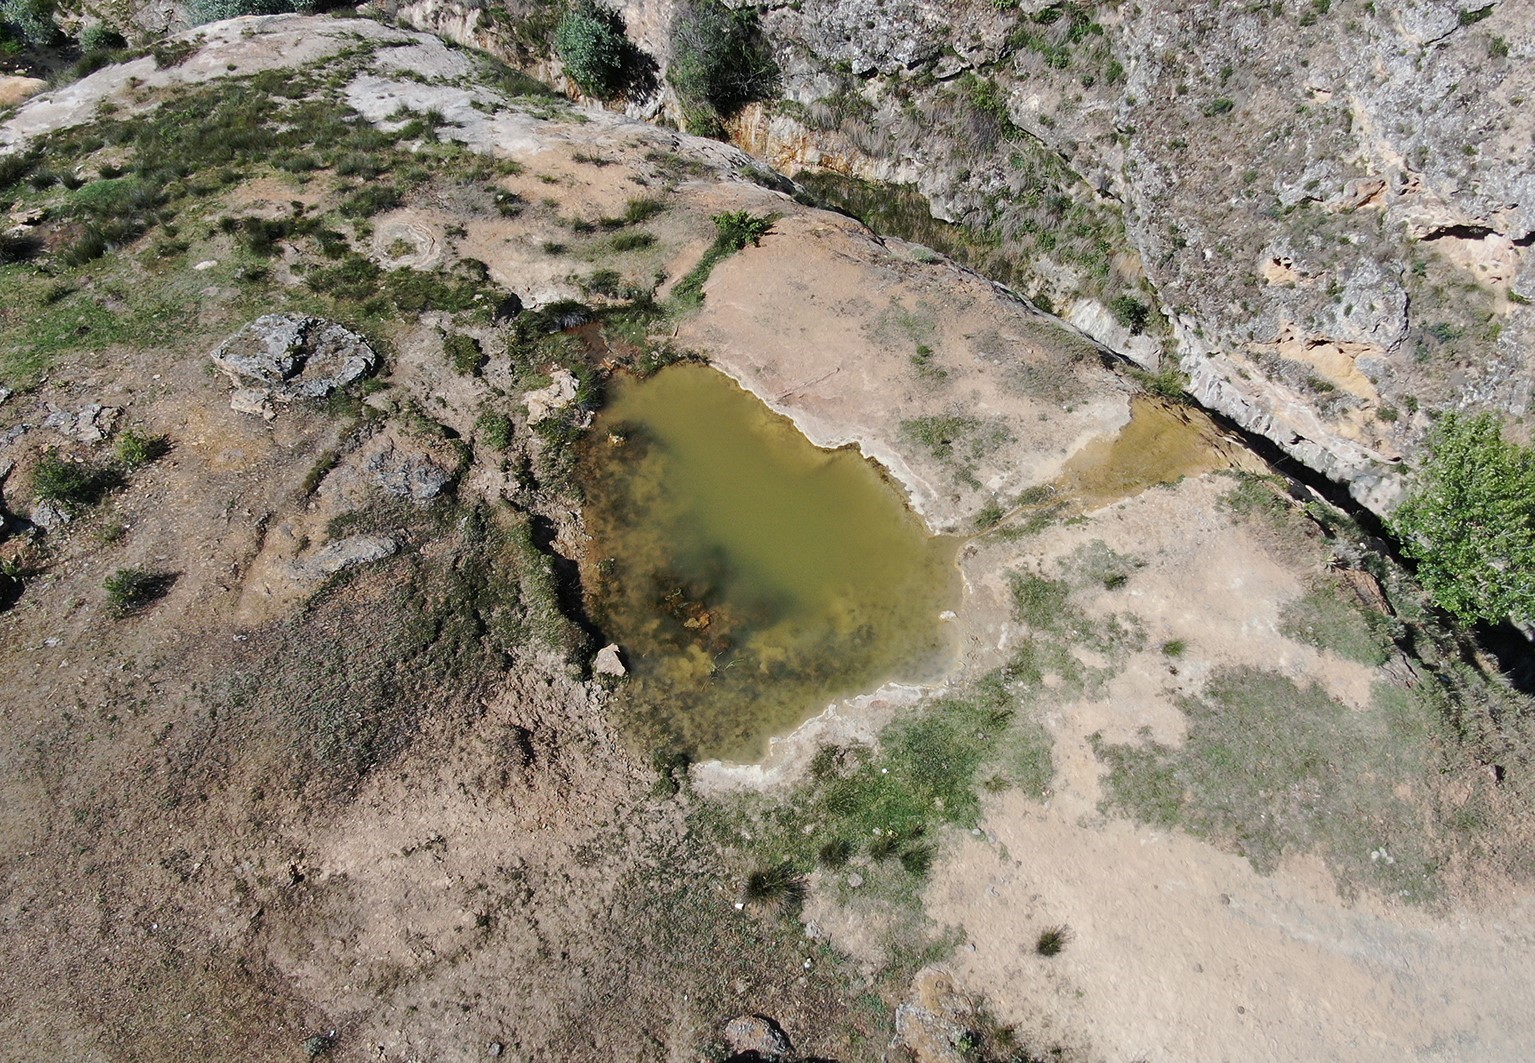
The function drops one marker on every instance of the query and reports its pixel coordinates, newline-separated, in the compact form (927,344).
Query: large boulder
(292,356)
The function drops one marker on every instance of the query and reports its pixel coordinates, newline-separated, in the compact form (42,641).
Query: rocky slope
(1329,204)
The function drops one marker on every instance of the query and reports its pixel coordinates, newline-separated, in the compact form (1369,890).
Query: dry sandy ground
(1185,952)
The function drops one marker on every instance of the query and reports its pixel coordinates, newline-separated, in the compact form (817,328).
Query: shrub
(734,230)
(720,59)
(18,247)
(836,853)
(201,11)
(780,882)
(1130,312)
(71,483)
(131,589)
(1470,521)
(589,40)
(99,37)
(135,450)
(598,57)
(32,21)
(1052,940)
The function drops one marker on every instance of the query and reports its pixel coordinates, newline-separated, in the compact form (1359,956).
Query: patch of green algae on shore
(750,577)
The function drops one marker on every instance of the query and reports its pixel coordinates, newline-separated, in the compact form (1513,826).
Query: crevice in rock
(1459,232)
(568,589)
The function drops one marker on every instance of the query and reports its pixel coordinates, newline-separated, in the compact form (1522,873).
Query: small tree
(720,61)
(1470,521)
(590,42)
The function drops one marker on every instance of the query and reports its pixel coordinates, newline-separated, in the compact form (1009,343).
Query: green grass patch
(463,353)
(734,230)
(72,483)
(1271,769)
(1324,618)
(136,449)
(130,590)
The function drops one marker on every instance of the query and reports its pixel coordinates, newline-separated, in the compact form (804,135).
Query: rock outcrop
(282,357)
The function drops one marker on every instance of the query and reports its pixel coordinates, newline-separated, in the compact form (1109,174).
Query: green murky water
(749,576)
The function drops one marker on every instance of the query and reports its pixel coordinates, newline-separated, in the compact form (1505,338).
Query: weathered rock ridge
(1331,204)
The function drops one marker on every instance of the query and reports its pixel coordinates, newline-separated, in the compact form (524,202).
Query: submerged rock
(608,662)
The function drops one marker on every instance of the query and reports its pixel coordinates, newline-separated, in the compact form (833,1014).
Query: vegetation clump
(136,450)
(1469,522)
(71,483)
(1053,940)
(590,40)
(131,589)
(720,62)
(204,11)
(734,230)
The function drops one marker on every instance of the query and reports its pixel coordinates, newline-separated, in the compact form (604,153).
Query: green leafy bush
(598,57)
(31,20)
(1470,521)
(201,11)
(135,450)
(99,37)
(590,42)
(1130,312)
(56,479)
(720,61)
(734,230)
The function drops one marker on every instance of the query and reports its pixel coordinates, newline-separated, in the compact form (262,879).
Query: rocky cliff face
(1329,202)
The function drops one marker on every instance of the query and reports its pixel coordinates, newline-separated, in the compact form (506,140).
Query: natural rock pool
(750,577)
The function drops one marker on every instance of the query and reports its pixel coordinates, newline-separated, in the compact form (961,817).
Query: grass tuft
(1053,940)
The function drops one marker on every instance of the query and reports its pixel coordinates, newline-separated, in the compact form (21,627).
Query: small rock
(267,351)
(249,400)
(294,356)
(495,1048)
(855,880)
(556,396)
(756,1036)
(205,264)
(5,393)
(408,475)
(50,515)
(347,553)
(608,662)
(14,88)
(95,422)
